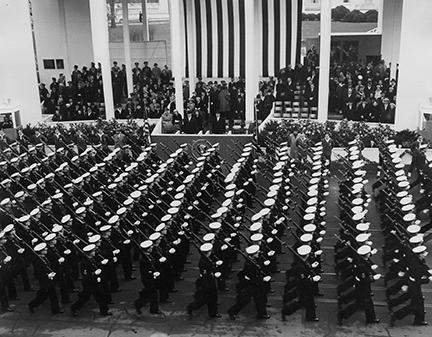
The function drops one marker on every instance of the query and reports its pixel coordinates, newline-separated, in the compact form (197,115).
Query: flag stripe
(271,34)
(283,24)
(231,38)
(288,31)
(215,38)
(209,39)
(260,34)
(293,31)
(236,47)
(220,38)
(242,38)
(277,34)
(265,38)
(204,45)
(225,59)
(299,28)
(198,45)
(186,38)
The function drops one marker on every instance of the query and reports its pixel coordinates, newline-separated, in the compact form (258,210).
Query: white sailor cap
(146,244)
(94,238)
(80,210)
(166,218)
(269,202)
(89,248)
(364,250)
(309,228)
(113,219)
(409,217)
(362,227)
(304,250)
(256,237)
(209,237)
(39,247)
(9,228)
(57,228)
(155,236)
(413,229)
(105,228)
(65,218)
(419,249)
(416,239)
(215,225)
(307,237)
(206,247)
(253,249)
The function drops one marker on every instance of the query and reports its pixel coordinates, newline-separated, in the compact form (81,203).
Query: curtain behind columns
(218,27)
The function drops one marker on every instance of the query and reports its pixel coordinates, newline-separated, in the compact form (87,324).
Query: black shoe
(189,311)
(168,300)
(31,309)
(106,313)
(180,278)
(58,312)
(320,295)
(315,319)
(137,309)
(423,323)
(74,313)
(156,312)
(29,289)
(130,278)
(173,290)
(374,321)
(216,316)
(15,298)
(7,309)
(232,317)
(116,290)
(266,316)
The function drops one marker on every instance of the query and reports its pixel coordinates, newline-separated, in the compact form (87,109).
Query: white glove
(156,274)
(266,262)
(126,242)
(315,264)
(404,288)
(316,278)
(61,260)
(130,232)
(177,242)
(266,278)
(114,259)
(401,274)
(162,259)
(116,251)
(269,240)
(7,259)
(21,250)
(104,261)
(67,252)
(98,271)
(172,251)
(98,280)
(33,241)
(217,274)
(51,275)
(271,253)
(374,266)
(219,263)
(75,242)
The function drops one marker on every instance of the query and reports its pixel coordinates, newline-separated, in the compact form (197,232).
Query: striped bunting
(214,33)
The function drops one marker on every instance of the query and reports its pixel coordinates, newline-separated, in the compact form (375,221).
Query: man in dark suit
(218,125)
(387,112)
(364,111)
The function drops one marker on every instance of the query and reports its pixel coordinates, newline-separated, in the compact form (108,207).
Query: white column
(380,15)
(146,35)
(177,62)
(391,33)
(251,65)
(18,82)
(126,46)
(191,46)
(415,67)
(324,61)
(99,31)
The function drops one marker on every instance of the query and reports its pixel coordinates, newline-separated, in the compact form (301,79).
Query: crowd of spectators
(80,98)
(362,92)
(213,106)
